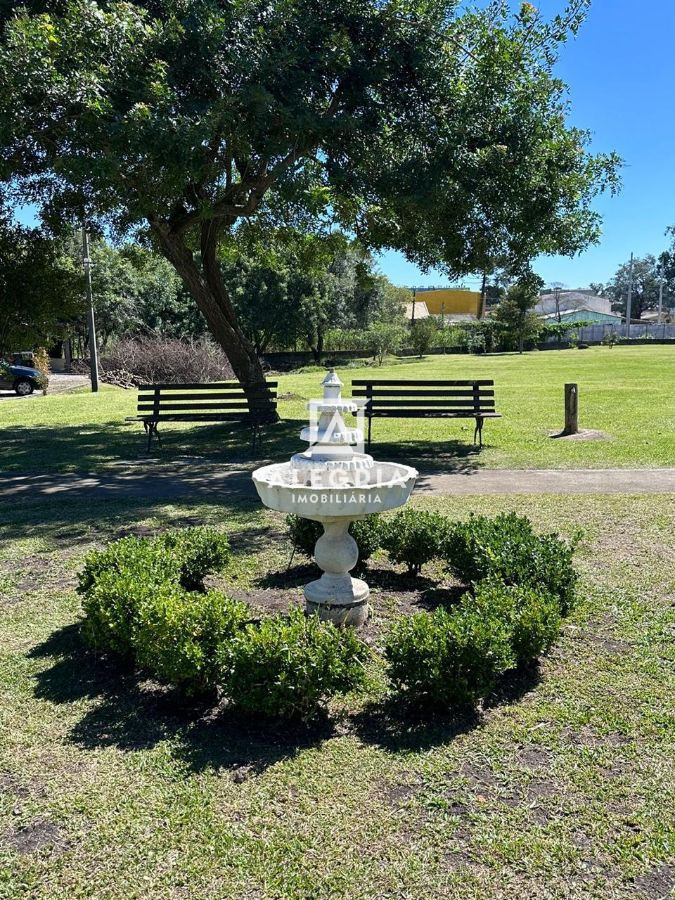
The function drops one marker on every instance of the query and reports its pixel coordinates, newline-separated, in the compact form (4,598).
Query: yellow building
(450,302)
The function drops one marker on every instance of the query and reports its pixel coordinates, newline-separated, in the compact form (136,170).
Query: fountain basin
(361,493)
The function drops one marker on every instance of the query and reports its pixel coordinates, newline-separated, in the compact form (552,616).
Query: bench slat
(464,383)
(193,407)
(360,392)
(207,386)
(197,398)
(377,404)
(202,417)
(435,414)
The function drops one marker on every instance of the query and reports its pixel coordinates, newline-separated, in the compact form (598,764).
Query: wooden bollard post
(571,409)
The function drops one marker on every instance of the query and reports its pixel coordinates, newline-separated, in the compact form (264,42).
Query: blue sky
(621,75)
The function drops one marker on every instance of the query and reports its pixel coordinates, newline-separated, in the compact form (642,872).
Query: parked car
(21,379)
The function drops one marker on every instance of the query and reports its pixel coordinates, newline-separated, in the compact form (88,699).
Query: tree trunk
(207,288)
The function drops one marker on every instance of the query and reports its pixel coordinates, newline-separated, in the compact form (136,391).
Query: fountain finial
(332,386)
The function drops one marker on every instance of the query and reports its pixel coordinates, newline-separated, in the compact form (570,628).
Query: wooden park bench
(427,400)
(216,402)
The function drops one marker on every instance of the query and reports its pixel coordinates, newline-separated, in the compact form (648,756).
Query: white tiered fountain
(334,484)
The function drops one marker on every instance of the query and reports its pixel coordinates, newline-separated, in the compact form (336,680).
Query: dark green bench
(427,400)
(216,402)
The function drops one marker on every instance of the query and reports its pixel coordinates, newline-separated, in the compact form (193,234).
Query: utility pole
(414,290)
(483,297)
(629,301)
(556,292)
(91,324)
(660,297)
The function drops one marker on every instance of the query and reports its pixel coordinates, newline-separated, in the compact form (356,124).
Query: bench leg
(256,437)
(370,425)
(151,428)
(478,432)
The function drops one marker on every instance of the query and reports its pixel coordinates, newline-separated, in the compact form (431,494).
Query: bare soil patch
(35,836)
(585,434)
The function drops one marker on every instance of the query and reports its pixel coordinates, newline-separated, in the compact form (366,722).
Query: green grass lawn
(626,392)
(111,787)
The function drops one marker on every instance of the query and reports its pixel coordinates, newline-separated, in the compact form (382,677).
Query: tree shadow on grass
(132,714)
(65,523)
(447,456)
(88,448)
(102,446)
(402,726)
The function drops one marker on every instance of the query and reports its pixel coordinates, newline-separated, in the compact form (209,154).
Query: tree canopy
(413,124)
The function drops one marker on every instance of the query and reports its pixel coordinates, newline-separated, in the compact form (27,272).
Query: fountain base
(339,599)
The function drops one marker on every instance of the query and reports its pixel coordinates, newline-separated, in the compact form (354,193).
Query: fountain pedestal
(336,596)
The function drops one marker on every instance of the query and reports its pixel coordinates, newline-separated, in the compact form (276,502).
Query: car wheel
(23,387)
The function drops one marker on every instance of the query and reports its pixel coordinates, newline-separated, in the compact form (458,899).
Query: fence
(593,334)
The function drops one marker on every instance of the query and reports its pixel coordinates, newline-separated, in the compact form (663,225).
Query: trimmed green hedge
(454,658)
(289,666)
(413,537)
(507,548)
(145,601)
(179,635)
(448,658)
(137,604)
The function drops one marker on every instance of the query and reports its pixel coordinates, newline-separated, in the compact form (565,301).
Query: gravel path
(202,482)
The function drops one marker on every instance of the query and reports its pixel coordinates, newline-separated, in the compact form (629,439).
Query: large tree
(438,132)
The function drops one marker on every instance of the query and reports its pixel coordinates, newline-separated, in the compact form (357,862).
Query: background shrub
(449,659)
(506,548)
(154,360)
(304,533)
(41,363)
(178,635)
(368,535)
(413,537)
(288,667)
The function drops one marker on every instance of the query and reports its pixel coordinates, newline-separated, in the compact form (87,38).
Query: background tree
(41,291)
(645,295)
(423,333)
(418,126)
(514,313)
(295,287)
(136,292)
(385,338)
(164,306)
